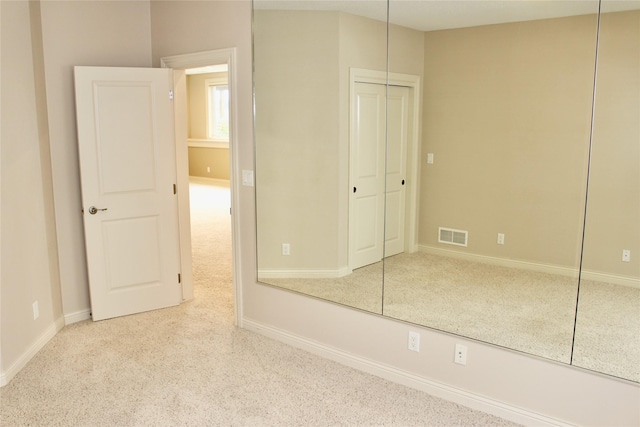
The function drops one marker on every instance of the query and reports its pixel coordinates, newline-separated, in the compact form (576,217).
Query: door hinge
(174,189)
(171,95)
(179,278)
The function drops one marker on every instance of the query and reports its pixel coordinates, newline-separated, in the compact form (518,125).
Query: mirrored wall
(608,317)
(437,163)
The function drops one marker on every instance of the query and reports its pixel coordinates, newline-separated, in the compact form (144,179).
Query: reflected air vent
(452,237)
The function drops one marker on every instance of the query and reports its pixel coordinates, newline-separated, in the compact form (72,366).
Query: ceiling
(431,15)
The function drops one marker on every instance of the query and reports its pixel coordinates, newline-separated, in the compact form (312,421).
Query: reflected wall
(302,60)
(609,306)
(496,150)
(505,121)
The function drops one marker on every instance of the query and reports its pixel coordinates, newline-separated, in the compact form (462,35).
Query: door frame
(195,60)
(360,75)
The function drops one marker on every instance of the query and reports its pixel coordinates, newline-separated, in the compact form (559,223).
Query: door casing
(195,60)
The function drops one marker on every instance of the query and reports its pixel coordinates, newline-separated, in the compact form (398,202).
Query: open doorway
(207,90)
(209,171)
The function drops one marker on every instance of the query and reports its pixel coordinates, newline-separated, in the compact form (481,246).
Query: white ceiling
(430,15)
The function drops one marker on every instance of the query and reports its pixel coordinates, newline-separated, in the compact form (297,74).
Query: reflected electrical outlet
(286,249)
(626,255)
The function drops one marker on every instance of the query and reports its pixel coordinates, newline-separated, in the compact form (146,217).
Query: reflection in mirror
(304,52)
(608,319)
(485,167)
(506,112)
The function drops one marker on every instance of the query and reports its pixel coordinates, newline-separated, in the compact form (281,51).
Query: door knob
(93,210)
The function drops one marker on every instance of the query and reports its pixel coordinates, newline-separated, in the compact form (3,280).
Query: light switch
(247,178)
(430,158)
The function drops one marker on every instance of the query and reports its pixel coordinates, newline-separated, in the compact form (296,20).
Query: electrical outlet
(501,238)
(626,255)
(414,341)
(461,354)
(36,311)
(208,169)
(286,249)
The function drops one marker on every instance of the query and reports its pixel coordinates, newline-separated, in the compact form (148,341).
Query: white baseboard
(50,332)
(532,266)
(76,317)
(303,274)
(209,181)
(611,278)
(434,388)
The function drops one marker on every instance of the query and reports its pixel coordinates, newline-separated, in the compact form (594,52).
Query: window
(217,110)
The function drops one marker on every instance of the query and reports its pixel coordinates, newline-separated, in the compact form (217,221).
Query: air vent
(452,237)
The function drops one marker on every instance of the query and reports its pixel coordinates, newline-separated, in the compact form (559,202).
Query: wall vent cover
(452,237)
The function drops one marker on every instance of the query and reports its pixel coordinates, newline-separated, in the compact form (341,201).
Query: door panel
(397,126)
(366,218)
(127,164)
(123,115)
(378,150)
(123,240)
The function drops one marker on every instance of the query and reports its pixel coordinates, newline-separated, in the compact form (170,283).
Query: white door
(127,162)
(378,148)
(367,156)
(395,193)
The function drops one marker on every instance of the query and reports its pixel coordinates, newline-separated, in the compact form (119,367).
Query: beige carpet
(189,366)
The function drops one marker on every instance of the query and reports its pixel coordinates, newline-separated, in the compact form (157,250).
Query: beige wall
(354,337)
(215,159)
(296,63)
(29,254)
(200,158)
(507,115)
(103,33)
(42,233)
(613,216)
(197,105)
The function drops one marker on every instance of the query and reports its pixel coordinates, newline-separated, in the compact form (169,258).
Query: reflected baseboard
(532,266)
(596,276)
(303,274)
